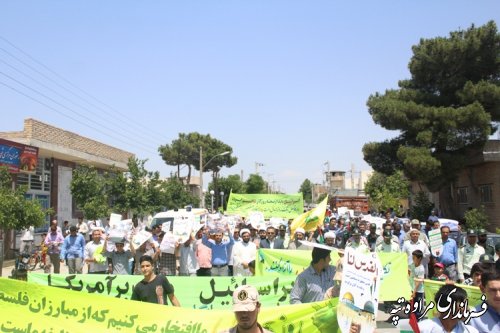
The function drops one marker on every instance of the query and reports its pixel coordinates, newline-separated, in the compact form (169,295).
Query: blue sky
(284,83)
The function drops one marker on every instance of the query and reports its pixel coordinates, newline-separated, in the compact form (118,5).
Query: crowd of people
(84,249)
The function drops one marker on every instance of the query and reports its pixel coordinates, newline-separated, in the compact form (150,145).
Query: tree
(89,189)
(186,151)
(444,112)
(177,196)
(476,218)
(385,192)
(421,207)
(306,189)
(17,212)
(231,183)
(255,184)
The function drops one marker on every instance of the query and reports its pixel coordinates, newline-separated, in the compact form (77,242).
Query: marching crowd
(84,249)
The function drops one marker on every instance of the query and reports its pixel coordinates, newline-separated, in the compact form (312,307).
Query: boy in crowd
(417,274)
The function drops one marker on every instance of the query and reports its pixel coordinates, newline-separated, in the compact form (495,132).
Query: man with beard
(296,244)
(243,253)
(246,307)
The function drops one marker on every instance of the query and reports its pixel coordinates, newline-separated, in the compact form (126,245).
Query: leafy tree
(255,184)
(321,197)
(476,218)
(306,189)
(177,196)
(422,206)
(186,151)
(444,112)
(231,183)
(89,189)
(17,212)
(385,192)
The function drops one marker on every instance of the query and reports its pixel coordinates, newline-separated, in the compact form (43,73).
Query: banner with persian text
(206,293)
(28,307)
(394,281)
(286,206)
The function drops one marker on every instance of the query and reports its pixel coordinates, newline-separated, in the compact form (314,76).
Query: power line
(67,116)
(65,98)
(132,122)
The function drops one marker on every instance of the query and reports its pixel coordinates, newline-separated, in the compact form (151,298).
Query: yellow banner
(310,220)
(27,307)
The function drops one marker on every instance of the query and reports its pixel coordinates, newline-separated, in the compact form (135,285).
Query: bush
(422,207)
(476,218)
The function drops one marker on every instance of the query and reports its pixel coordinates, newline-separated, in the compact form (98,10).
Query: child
(438,272)
(417,273)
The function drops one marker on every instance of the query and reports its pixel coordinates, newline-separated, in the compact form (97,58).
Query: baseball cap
(373,226)
(486,259)
(282,227)
(245,298)
(355,232)
(471,232)
(481,232)
(387,233)
(438,264)
(415,221)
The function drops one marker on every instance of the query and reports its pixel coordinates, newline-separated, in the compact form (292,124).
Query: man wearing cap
(388,245)
(380,239)
(271,242)
(296,244)
(243,253)
(246,307)
(414,243)
(415,224)
(312,284)
(283,235)
(371,238)
(356,243)
(468,255)
(482,240)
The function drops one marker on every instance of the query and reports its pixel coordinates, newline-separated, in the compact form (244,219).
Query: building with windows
(478,184)
(59,152)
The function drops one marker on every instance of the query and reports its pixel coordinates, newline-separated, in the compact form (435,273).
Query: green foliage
(321,197)
(422,207)
(445,111)
(255,184)
(177,196)
(385,192)
(476,218)
(89,190)
(17,212)
(306,189)
(185,150)
(231,183)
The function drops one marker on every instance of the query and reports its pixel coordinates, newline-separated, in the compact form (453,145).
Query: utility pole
(257,165)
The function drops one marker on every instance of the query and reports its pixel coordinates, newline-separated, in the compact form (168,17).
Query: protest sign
(359,291)
(271,205)
(255,219)
(436,242)
(394,281)
(140,238)
(183,226)
(114,219)
(431,287)
(28,307)
(452,224)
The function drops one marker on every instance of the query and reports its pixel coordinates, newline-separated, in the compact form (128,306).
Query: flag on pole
(310,220)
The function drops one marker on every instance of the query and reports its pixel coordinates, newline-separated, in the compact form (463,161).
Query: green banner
(206,293)
(28,307)
(394,282)
(431,288)
(286,206)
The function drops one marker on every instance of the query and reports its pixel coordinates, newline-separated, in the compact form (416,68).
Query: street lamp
(222,199)
(212,192)
(202,166)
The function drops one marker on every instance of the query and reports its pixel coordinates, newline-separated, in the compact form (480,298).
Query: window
(40,181)
(462,197)
(486,193)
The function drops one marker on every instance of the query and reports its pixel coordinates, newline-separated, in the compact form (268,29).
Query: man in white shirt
(243,253)
(414,243)
(468,255)
(97,264)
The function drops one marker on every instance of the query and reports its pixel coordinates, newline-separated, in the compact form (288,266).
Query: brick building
(59,152)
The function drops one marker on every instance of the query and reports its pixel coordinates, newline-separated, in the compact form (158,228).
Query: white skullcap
(329,234)
(301,230)
(242,231)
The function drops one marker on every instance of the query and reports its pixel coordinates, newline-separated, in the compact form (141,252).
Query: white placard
(113,219)
(255,219)
(359,291)
(140,238)
(183,226)
(436,242)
